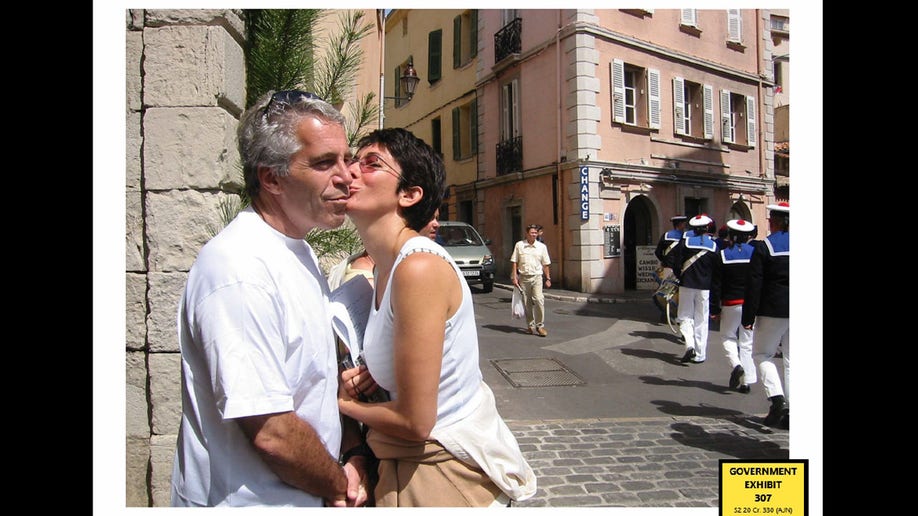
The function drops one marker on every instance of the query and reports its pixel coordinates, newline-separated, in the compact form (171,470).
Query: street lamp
(409,80)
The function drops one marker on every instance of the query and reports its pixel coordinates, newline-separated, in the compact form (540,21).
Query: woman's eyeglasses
(374,163)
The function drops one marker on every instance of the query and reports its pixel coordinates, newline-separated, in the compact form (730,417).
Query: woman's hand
(357,381)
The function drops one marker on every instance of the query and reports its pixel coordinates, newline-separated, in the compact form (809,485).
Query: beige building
(598,124)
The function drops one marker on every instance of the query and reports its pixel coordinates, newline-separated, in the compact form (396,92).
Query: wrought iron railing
(508,40)
(510,156)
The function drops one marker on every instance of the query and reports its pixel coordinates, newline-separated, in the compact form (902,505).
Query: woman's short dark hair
(421,166)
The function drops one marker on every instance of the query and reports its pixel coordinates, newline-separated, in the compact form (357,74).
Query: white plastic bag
(517,310)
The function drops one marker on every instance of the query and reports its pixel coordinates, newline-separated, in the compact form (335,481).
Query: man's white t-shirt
(255,338)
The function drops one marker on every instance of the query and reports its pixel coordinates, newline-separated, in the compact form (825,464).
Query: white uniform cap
(700,220)
(781,206)
(740,225)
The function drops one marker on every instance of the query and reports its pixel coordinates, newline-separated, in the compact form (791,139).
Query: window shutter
(434,55)
(617,70)
(708,111)
(457,149)
(473,33)
(435,136)
(688,17)
(725,132)
(653,97)
(679,105)
(473,125)
(750,121)
(515,108)
(457,41)
(734,25)
(505,112)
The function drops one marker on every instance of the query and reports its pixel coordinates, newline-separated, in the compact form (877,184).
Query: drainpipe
(560,194)
(760,127)
(381,31)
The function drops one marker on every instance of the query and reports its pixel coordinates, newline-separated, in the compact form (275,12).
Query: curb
(585,298)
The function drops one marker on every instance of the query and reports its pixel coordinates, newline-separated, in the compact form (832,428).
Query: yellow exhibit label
(768,487)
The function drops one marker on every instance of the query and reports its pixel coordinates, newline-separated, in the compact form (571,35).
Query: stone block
(137,462)
(192,65)
(137,421)
(135,311)
(133,232)
(164,294)
(133,143)
(162,455)
(165,392)
(133,80)
(188,147)
(179,223)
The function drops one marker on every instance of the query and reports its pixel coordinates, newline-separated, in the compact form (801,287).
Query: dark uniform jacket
(666,245)
(768,279)
(695,272)
(729,282)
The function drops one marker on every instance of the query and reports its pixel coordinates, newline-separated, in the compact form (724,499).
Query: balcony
(510,156)
(508,40)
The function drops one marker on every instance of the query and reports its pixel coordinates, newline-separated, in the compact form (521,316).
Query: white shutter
(617,70)
(505,113)
(750,121)
(653,98)
(679,105)
(734,25)
(515,107)
(725,123)
(708,111)
(688,17)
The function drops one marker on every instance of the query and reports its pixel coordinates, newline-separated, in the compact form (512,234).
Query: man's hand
(357,488)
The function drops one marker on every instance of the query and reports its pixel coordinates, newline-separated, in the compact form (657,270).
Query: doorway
(638,231)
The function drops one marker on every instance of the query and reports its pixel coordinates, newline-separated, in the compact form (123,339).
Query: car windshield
(458,235)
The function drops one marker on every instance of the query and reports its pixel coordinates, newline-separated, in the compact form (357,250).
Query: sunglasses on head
(289,97)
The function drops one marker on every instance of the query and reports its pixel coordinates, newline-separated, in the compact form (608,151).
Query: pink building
(600,125)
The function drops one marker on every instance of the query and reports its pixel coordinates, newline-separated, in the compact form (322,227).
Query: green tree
(286,50)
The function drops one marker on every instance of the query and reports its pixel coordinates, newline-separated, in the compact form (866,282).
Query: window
(465,130)
(436,136)
(737,118)
(780,23)
(689,17)
(510,110)
(507,16)
(465,37)
(635,95)
(509,152)
(734,25)
(693,108)
(434,55)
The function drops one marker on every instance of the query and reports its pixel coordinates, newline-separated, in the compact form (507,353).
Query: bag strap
(688,263)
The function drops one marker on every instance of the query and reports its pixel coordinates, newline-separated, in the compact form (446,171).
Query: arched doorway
(638,231)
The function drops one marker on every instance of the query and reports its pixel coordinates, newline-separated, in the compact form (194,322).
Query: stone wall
(185,91)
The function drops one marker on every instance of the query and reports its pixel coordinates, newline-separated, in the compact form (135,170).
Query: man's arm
(293,451)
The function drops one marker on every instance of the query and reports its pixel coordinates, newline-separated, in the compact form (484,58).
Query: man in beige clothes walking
(529,263)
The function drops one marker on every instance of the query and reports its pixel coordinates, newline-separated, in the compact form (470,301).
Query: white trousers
(737,341)
(769,333)
(693,320)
